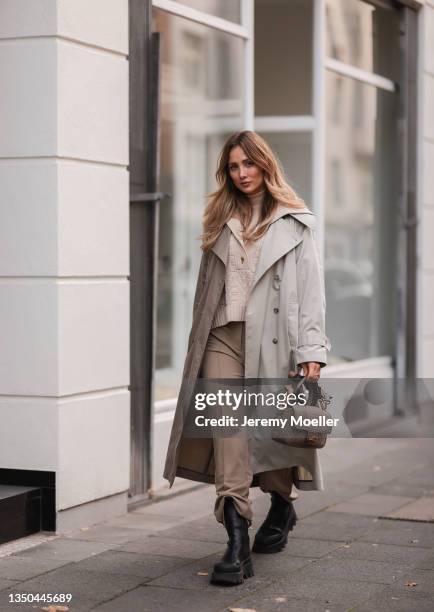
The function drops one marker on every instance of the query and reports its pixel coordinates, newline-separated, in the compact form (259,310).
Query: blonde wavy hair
(228,200)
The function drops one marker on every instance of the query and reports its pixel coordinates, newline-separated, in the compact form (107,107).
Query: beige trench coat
(286,303)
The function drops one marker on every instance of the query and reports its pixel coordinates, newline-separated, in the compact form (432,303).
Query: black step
(20,512)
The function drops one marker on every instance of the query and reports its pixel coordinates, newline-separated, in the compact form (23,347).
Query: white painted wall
(425,366)
(64,244)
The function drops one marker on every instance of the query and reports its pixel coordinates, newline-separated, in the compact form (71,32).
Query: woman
(258,312)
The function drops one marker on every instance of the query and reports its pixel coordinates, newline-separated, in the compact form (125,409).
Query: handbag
(304,434)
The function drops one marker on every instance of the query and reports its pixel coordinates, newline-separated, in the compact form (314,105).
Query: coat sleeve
(313,344)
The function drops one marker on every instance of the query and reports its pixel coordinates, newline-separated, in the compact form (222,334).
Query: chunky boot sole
(234,578)
(275,547)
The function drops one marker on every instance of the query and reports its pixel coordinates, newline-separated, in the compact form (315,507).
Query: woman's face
(248,177)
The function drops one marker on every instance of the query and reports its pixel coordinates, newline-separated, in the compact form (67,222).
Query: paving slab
(304,547)
(280,603)
(110,534)
(161,545)
(145,523)
(280,565)
(130,564)
(420,510)
(371,504)
(408,489)
(325,593)
(423,476)
(332,568)
(402,533)
(16,567)
(396,603)
(415,583)
(161,599)
(65,549)
(6,583)
(427,562)
(391,553)
(333,526)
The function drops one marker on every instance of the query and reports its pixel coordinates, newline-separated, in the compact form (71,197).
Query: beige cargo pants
(224,358)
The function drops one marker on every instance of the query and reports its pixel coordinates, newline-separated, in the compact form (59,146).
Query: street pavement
(353,548)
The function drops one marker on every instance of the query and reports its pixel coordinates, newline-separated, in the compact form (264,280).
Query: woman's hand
(311,370)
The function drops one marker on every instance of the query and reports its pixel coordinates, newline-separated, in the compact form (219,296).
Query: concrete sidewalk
(341,555)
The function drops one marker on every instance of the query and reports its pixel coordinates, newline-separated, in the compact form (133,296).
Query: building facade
(113,115)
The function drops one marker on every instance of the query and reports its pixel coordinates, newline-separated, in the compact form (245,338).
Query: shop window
(360,233)
(363,36)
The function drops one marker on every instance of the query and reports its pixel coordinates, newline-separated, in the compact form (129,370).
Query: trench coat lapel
(278,240)
(221,246)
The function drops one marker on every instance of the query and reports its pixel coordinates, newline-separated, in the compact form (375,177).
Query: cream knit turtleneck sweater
(240,269)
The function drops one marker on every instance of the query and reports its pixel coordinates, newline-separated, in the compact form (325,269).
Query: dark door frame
(406,333)
(404,361)
(405,366)
(144,218)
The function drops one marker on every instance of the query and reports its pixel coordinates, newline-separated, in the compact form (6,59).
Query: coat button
(276,310)
(277,277)
(275,340)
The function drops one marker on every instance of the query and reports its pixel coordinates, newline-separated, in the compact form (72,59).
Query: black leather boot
(272,535)
(236,563)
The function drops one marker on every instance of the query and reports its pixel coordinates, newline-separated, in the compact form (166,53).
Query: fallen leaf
(410,583)
(202,573)
(56,608)
(241,610)
(281,599)
(414,541)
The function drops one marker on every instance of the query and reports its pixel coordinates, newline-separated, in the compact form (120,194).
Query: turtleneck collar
(257,199)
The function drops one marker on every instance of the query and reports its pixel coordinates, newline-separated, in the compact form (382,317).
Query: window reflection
(362,190)
(294,153)
(364,36)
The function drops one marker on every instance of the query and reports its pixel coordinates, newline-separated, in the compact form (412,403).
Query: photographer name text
(282,422)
